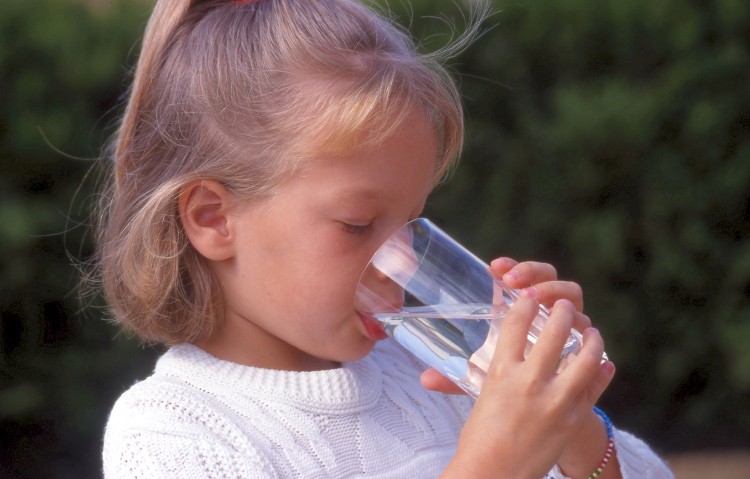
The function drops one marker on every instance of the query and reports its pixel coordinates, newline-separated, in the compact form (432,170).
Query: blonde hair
(222,91)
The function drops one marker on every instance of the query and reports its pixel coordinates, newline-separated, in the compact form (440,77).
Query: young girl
(267,149)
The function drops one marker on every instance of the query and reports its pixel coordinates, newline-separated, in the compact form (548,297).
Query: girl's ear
(204,207)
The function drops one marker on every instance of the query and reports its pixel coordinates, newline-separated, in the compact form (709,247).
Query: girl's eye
(355,229)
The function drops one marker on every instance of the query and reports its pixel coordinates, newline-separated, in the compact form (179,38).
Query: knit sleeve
(144,454)
(637,460)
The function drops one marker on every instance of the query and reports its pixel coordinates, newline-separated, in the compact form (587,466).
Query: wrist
(587,450)
(609,453)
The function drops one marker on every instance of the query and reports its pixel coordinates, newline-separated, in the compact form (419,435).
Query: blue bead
(605,419)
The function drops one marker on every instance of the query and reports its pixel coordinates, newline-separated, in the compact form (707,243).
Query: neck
(271,353)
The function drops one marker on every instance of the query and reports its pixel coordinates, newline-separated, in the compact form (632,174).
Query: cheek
(317,270)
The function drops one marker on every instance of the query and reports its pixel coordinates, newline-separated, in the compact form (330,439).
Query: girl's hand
(535,280)
(530,415)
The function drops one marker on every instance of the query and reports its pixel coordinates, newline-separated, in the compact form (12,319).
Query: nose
(396,258)
(377,292)
(381,287)
(380,275)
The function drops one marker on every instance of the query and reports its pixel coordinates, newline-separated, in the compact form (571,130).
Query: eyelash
(356,229)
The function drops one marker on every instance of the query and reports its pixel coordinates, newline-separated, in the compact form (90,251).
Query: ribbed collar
(354,386)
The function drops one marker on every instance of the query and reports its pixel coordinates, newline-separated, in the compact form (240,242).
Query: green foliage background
(609,138)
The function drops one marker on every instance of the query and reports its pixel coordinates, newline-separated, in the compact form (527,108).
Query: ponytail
(164,20)
(144,254)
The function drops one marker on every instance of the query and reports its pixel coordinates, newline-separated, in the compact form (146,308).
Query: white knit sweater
(198,416)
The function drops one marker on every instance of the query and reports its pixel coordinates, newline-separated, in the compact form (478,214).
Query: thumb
(601,381)
(434,381)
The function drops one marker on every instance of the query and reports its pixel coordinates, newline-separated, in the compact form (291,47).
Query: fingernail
(564,303)
(501,259)
(529,292)
(591,331)
(512,275)
(609,367)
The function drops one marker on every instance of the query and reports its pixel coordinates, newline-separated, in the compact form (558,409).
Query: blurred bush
(608,138)
(612,139)
(62,70)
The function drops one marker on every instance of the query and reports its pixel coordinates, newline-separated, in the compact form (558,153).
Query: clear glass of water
(440,302)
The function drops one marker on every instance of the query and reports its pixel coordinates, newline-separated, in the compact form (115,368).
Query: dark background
(610,138)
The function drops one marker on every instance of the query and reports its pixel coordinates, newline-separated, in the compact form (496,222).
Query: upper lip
(365,315)
(368,319)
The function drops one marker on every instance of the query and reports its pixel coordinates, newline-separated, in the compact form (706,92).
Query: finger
(434,381)
(586,373)
(581,322)
(502,265)
(550,291)
(528,273)
(546,353)
(513,332)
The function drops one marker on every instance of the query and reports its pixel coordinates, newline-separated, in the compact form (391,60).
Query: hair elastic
(610,443)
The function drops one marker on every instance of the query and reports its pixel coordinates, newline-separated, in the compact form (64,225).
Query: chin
(362,349)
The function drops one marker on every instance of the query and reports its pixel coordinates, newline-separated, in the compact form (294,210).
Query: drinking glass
(440,302)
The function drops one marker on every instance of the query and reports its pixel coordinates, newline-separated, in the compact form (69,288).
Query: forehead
(340,116)
(405,160)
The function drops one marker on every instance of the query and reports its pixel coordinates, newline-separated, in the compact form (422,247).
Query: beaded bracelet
(610,443)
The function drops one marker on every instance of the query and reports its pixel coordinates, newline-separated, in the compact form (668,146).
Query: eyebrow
(358,193)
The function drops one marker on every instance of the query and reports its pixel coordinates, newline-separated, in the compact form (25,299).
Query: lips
(373,328)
